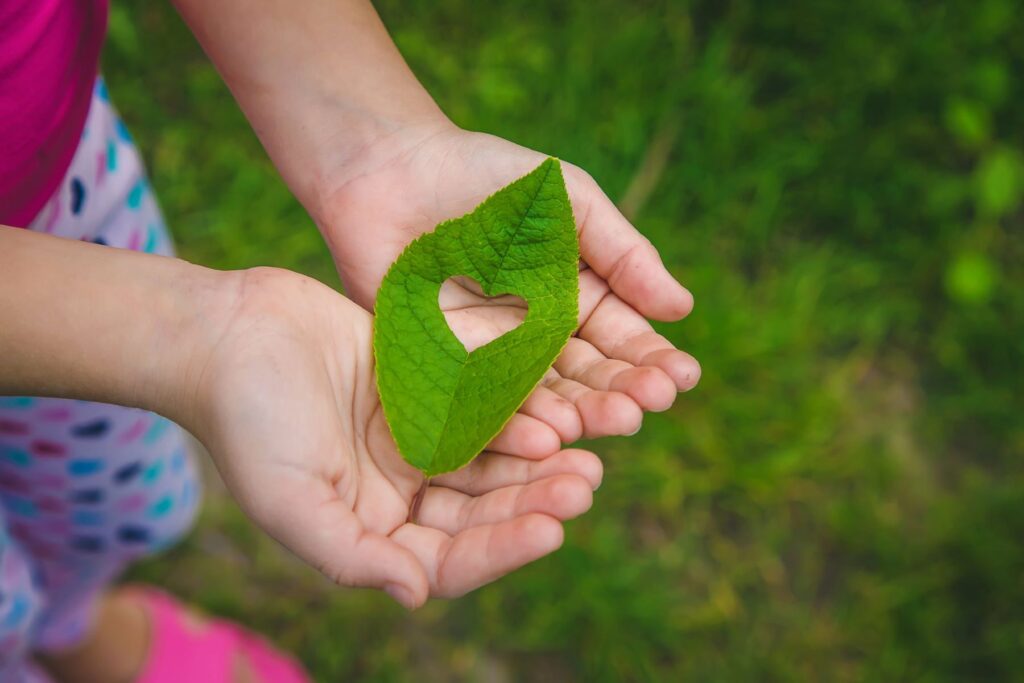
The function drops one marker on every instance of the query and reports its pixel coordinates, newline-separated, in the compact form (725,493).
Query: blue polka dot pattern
(132,533)
(161,507)
(188,492)
(127,472)
(88,518)
(89,544)
(178,461)
(111,155)
(136,193)
(91,430)
(156,430)
(15,456)
(18,611)
(87,496)
(83,468)
(77,195)
(152,239)
(21,506)
(122,131)
(16,402)
(152,472)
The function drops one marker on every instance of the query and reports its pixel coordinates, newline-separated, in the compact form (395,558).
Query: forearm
(83,321)
(319,80)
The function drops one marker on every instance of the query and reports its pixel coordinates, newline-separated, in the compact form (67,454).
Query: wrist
(110,325)
(351,144)
(340,166)
(318,81)
(258,322)
(192,308)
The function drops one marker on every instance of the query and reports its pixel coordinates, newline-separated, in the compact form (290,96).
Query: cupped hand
(613,369)
(287,405)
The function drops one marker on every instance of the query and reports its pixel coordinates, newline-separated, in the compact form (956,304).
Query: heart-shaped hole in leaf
(475,318)
(443,403)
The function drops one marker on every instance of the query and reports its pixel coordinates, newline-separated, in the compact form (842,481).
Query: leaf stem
(417,501)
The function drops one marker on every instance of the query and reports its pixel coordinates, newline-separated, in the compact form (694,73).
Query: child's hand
(376,162)
(287,405)
(616,366)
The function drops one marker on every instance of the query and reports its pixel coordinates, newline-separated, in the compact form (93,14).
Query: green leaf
(971,278)
(970,123)
(443,403)
(998,183)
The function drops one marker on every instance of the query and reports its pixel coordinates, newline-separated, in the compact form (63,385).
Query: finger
(491,471)
(563,496)
(624,257)
(607,322)
(650,387)
(618,332)
(527,437)
(480,325)
(457,564)
(604,413)
(321,529)
(593,288)
(559,414)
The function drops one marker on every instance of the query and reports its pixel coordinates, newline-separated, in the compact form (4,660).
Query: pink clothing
(49,58)
(179,651)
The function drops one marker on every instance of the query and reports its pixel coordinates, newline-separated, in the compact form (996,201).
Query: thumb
(323,531)
(623,257)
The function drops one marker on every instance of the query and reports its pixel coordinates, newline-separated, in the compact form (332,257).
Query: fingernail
(401,595)
(637,430)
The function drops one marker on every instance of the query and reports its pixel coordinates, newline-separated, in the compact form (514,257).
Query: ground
(840,185)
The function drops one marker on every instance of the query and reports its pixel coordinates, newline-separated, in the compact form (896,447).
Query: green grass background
(842,498)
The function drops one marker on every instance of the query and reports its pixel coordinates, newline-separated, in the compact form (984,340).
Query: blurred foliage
(842,498)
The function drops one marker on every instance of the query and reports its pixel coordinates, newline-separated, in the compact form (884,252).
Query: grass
(840,184)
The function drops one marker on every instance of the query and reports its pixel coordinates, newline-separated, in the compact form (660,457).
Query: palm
(615,367)
(298,434)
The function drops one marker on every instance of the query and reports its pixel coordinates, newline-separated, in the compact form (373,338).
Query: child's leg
(105,196)
(20,606)
(86,488)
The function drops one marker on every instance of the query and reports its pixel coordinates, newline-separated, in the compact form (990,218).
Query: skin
(273,371)
(376,162)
